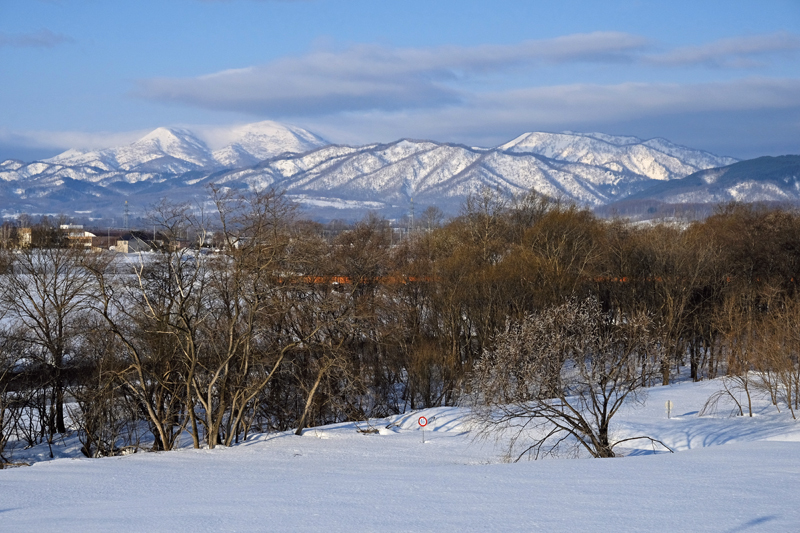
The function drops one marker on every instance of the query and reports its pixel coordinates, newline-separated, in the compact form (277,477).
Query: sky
(723,76)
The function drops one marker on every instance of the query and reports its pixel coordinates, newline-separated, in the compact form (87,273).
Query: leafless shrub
(555,381)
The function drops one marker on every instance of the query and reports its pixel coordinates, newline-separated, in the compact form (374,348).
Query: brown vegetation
(290,323)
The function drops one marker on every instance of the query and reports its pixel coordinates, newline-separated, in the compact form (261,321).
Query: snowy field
(728,474)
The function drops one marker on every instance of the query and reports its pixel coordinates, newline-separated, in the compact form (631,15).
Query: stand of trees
(269,322)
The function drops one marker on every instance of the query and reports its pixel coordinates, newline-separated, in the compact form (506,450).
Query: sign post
(668,405)
(422,423)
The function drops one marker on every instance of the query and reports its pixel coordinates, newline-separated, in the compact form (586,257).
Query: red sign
(423,421)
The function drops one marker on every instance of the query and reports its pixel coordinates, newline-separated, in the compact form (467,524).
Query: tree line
(272,322)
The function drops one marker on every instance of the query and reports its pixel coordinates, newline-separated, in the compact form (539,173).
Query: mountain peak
(174,143)
(164,134)
(183,150)
(172,139)
(619,140)
(249,143)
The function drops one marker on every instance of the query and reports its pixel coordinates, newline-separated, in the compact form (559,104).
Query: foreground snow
(729,474)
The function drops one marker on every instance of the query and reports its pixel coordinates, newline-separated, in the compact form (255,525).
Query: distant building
(76,235)
(134,245)
(25,237)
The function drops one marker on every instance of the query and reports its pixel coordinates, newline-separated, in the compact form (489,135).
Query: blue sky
(719,75)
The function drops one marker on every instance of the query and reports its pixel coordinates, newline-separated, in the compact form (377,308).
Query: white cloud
(64,140)
(737,52)
(733,110)
(43,38)
(569,103)
(365,77)
(489,119)
(365,93)
(743,118)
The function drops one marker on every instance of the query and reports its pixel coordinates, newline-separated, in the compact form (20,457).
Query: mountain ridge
(248,145)
(593,169)
(763,179)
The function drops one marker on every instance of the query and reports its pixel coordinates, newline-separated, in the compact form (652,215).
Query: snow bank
(730,474)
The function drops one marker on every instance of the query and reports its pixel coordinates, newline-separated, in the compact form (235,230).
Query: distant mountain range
(765,179)
(335,181)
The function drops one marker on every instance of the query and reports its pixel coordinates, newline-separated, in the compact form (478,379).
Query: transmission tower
(127,214)
(411,217)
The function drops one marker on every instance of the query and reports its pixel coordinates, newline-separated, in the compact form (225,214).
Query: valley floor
(728,474)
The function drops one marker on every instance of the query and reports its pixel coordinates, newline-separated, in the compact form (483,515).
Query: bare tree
(10,404)
(8,234)
(780,362)
(240,353)
(46,291)
(558,378)
(154,307)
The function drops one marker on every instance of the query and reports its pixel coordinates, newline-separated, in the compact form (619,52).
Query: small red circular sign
(423,421)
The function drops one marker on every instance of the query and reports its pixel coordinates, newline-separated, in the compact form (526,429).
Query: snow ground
(728,474)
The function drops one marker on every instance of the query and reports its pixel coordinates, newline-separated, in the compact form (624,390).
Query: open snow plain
(729,474)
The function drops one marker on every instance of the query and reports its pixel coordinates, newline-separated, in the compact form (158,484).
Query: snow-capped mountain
(252,143)
(591,169)
(170,150)
(764,179)
(657,159)
(177,150)
(432,174)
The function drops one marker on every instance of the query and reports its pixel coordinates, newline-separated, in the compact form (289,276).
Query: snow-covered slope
(252,143)
(657,159)
(433,174)
(591,169)
(727,474)
(169,150)
(764,179)
(176,150)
